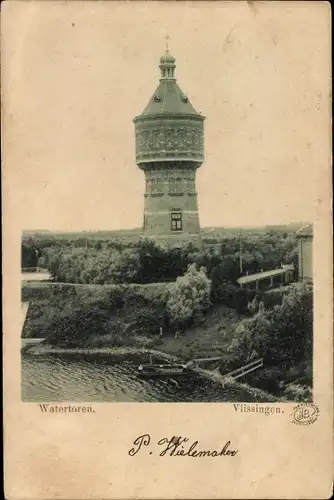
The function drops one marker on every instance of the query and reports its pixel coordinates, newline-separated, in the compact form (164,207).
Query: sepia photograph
(170,289)
(167,239)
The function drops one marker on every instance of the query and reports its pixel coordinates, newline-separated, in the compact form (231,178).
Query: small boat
(162,370)
(166,370)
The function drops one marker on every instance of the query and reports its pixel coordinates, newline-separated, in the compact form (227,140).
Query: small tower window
(191,185)
(159,185)
(176,186)
(148,186)
(176,221)
(179,185)
(172,185)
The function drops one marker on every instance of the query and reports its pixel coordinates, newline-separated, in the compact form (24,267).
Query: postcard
(167,255)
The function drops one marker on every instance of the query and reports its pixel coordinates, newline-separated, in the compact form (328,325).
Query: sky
(77,73)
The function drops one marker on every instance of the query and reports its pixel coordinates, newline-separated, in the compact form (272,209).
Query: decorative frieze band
(156,140)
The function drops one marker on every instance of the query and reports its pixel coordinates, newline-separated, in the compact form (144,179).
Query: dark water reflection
(104,378)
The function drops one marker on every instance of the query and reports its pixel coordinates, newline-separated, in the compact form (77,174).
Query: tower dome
(167,59)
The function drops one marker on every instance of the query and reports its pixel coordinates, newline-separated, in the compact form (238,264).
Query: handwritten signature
(179,446)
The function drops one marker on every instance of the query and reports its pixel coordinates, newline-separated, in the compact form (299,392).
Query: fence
(235,374)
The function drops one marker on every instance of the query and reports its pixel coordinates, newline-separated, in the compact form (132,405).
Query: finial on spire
(167,62)
(167,37)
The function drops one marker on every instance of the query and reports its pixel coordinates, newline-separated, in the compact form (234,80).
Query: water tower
(169,150)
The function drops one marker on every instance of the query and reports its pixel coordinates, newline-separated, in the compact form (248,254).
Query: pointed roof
(169,99)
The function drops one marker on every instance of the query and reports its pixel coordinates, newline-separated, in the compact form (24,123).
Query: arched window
(148,186)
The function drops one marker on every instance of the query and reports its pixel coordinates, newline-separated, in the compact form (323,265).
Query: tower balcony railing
(154,195)
(176,193)
(166,155)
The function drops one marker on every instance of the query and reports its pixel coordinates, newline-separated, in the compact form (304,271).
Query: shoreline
(43,348)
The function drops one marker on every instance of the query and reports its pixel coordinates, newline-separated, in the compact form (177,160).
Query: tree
(29,254)
(152,262)
(125,267)
(282,335)
(222,275)
(292,326)
(190,297)
(252,338)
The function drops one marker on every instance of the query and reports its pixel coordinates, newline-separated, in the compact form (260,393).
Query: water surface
(100,378)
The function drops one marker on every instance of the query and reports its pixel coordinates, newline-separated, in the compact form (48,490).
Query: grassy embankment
(130,324)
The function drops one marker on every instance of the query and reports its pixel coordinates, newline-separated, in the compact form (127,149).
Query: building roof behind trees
(305,231)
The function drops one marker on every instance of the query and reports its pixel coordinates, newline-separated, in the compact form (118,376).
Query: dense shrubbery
(300,393)
(89,260)
(73,317)
(272,298)
(76,323)
(282,335)
(69,316)
(112,262)
(66,316)
(234,297)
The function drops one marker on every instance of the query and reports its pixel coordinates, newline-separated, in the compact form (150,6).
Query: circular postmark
(304,414)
